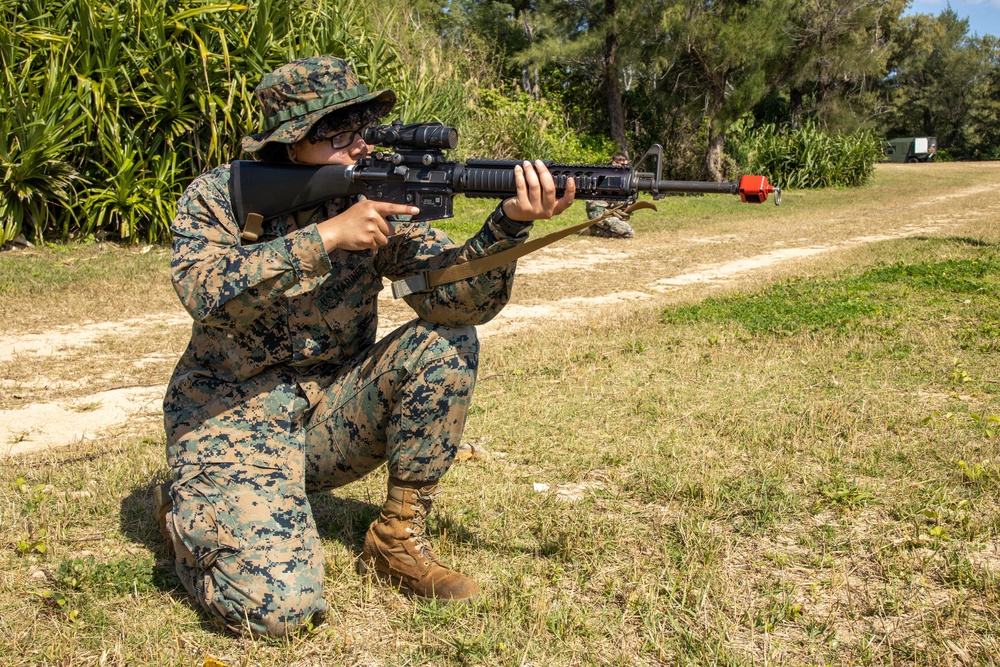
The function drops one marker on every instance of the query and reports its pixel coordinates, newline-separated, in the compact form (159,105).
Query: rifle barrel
(490,178)
(693,187)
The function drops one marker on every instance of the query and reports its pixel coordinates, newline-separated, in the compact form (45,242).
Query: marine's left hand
(536,194)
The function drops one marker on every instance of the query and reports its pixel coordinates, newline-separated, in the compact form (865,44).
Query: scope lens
(376,136)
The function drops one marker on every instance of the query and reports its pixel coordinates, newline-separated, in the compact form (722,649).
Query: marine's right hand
(363,226)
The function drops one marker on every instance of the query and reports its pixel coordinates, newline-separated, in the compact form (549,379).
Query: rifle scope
(417,135)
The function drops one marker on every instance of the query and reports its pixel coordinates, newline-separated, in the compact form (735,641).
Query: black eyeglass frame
(336,143)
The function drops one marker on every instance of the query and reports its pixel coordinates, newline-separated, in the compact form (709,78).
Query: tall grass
(109,108)
(805,156)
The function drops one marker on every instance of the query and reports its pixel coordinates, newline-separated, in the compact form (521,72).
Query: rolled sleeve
(419,247)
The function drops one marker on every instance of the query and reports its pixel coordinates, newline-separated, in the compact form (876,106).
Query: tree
(509,27)
(719,59)
(585,36)
(984,115)
(728,56)
(939,82)
(841,53)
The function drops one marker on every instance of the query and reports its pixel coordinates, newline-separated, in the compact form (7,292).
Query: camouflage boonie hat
(295,96)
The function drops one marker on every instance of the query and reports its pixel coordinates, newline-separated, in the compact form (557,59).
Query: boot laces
(420,511)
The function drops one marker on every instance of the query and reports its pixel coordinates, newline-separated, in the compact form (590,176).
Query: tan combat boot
(395,548)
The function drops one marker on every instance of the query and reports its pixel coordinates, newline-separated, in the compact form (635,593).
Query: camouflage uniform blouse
(285,301)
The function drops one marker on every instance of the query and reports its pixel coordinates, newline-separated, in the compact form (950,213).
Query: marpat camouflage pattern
(611,227)
(298,94)
(283,390)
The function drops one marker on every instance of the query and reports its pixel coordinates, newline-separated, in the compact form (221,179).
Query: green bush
(944,155)
(804,156)
(512,124)
(40,131)
(109,108)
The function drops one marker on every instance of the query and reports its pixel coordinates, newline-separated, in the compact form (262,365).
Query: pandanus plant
(109,108)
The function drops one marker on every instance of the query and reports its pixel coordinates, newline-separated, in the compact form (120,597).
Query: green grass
(879,299)
(781,474)
(470,214)
(806,474)
(82,282)
(671,212)
(52,268)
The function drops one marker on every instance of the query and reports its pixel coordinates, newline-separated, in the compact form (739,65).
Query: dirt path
(575,280)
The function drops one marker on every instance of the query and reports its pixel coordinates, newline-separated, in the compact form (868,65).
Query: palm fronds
(108,109)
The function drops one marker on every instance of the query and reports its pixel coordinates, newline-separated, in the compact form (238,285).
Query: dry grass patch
(110,362)
(801,470)
(52,285)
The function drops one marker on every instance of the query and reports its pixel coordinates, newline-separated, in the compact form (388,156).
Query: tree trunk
(795,105)
(713,157)
(526,83)
(616,108)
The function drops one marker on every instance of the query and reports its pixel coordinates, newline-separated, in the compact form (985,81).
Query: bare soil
(582,279)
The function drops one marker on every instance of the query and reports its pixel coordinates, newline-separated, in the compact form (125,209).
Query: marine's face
(342,148)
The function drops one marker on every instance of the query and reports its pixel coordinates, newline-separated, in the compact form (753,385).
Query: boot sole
(364,569)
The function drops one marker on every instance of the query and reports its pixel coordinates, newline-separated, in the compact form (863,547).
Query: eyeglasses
(347,137)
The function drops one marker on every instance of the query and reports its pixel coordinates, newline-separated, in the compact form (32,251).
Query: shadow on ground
(964,240)
(343,519)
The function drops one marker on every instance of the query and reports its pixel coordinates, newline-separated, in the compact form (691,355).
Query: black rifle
(416,172)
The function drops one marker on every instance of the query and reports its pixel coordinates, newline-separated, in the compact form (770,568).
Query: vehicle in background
(909,149)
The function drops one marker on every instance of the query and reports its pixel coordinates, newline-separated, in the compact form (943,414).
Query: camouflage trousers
(246,542)
(611,227)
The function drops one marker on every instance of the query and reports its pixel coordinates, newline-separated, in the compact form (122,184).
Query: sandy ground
(623,271)
(63,338)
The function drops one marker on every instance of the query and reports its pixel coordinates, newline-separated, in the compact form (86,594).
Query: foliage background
(108,109)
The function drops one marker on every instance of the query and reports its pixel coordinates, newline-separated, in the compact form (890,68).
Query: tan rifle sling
(427,280)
